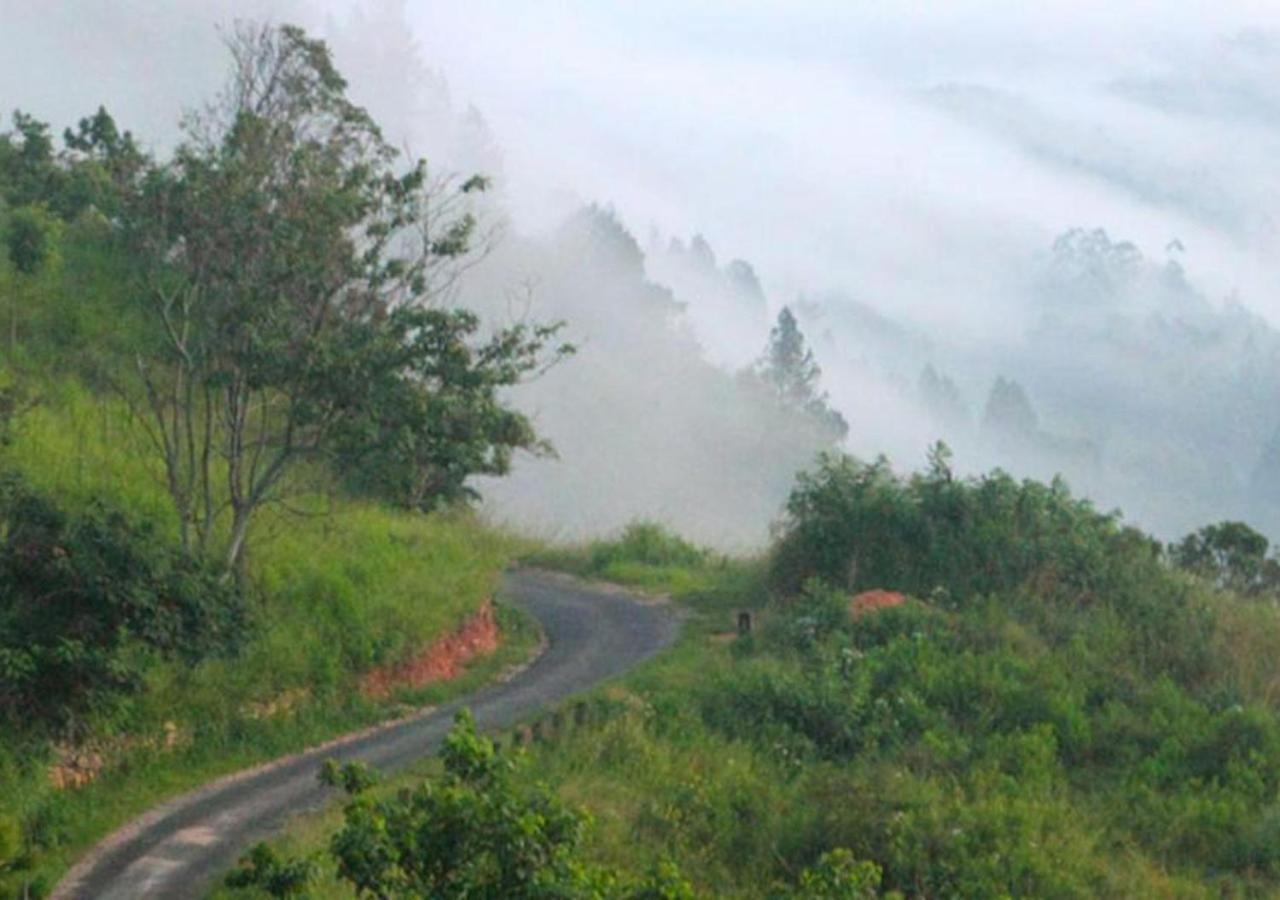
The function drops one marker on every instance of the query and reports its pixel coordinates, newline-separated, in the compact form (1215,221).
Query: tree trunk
(235,551)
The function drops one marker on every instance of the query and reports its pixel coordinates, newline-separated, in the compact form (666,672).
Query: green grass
(711,588)
(337,587)
(648,557)
(958,748)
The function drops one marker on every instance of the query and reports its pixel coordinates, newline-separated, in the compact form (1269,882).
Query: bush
(647,543)
(1062,566)
(859,526)
(81,595)
(477,831)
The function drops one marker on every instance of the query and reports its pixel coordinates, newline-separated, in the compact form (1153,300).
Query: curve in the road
(179,848)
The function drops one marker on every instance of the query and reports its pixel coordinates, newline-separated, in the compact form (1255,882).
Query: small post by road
(744,623)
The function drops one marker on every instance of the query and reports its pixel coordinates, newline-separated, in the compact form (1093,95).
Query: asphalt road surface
(179,848)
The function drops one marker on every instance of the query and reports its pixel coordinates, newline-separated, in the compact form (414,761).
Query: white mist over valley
(1048,240)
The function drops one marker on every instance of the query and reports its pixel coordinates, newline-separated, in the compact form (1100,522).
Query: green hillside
(1055,710)
(194,576)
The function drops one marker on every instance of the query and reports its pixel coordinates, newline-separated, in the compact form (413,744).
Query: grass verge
(338,587)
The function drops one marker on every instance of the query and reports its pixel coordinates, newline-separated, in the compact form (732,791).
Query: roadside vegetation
(1058,706)
(237,421)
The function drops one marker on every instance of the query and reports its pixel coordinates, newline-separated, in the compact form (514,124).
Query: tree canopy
(787,368)
(297,273)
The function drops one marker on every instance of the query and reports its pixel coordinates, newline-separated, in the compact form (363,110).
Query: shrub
(859,526)
(78,594)
(477,831)
(647,543)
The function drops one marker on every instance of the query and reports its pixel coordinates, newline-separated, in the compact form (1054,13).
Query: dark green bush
(1064,568)
(82,595)
(859,526)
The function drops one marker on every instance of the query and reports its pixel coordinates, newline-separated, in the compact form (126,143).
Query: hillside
(196,572)
(1049,708)
(280,402)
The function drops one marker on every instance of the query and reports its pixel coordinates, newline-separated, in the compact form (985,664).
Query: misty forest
(763,450)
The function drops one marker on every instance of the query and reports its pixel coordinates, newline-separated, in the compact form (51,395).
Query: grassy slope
(343,587)
(594,767)
(743,808)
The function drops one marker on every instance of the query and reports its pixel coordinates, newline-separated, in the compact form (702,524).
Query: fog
(902,177)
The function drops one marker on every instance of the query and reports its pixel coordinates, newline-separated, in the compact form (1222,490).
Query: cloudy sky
(904,153)
(909,153)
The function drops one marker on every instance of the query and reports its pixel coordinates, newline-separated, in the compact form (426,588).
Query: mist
(1072,199)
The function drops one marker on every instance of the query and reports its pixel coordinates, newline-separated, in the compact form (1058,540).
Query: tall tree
(942,398)
(297,273)
(30,241)
(1231,555)
(789,370)
(28,173)
(1008,413)
(788,365)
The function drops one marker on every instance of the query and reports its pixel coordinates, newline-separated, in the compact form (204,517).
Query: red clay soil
(870,601)
(443,660)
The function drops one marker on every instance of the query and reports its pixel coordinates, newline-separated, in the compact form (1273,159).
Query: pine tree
(788,365)
(791,373)
(1008,412)
(942,398)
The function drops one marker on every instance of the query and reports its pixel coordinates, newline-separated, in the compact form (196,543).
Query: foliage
(28,173)
(10,843)
(478,830)
(76,592)
(472,833)
(648,543)
(336,586)
(1231,556)
(858,525)
(294,272)
(263,868)
(442,420)
(98,167)
(838,876)
(30,239)
(1053,711)
(790,372)
(1008,413)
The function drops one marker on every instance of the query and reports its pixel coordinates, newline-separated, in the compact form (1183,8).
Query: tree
(1231,555)
(28,173)
(1008,413)
(942,398)
(1088,267)
(788,365)
(790,372)
(296,275)
(444,421)
(30,241)
(103,165)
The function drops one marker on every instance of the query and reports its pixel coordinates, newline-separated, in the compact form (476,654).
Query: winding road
(177,849)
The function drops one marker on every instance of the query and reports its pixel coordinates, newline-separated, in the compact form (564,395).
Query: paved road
(178,849)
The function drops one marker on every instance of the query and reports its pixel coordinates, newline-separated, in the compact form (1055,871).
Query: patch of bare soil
(442,660)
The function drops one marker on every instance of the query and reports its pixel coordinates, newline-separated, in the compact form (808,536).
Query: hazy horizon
(903,171)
